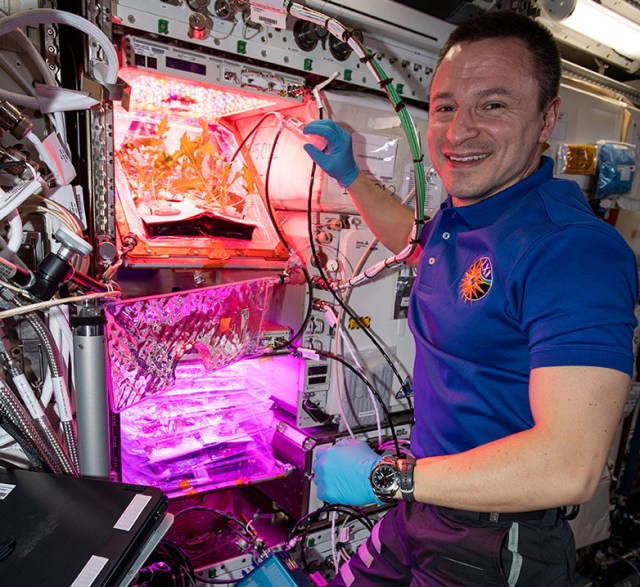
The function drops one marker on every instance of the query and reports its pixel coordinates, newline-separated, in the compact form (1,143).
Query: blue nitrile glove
(337,158)
(341,473)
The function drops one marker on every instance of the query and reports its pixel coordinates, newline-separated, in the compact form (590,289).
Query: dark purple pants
(419,545)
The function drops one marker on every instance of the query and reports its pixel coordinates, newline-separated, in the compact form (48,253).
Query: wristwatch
(385,479)
(390,475)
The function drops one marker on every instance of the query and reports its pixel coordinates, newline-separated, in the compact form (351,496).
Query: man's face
(486,129)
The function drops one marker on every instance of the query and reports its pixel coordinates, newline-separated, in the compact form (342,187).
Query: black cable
(220,513)
(350,312)
(168,552)
(353,315)
(249,535)
(175,556)
(314,253)
(351,511)
(217,581)
(267,180)
(284,241)
(373,390)
(317,261)
(26,444)
(335,295)
(307,316)
(250,134)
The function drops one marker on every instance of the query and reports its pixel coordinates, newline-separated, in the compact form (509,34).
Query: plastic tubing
(52,16)
(61,391)
(18,416)
(15,231)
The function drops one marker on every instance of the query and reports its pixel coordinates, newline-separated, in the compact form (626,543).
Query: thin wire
(351,313)
(50,303)
(352,511)
(371,388)
(283,240)
(250,134)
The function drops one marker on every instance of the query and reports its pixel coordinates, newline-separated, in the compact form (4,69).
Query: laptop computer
(62,531)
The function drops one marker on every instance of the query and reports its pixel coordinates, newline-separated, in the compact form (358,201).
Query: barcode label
(267,20)
(5,489)
(269,12)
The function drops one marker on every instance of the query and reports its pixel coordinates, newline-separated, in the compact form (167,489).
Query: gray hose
(55,365)
(47,434)
(21,423)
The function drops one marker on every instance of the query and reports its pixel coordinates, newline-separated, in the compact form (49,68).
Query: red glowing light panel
(184,186)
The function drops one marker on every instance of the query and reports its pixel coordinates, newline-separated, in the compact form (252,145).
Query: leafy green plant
(196,170)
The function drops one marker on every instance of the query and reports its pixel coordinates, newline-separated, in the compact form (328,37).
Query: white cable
(339,326)
(29,100)
(20,99)
(316,90)
(52,16)
(50,303)
(47,388)
(15,233)
(60,328)
(29,209)
(25,43)
(333,541)
(15,230)
(332,320)
(38,203)
(53,165)
(352,353)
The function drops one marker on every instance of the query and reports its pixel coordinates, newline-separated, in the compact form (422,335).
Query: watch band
(405,468)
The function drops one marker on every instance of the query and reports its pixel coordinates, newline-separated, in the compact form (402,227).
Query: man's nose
(463,126)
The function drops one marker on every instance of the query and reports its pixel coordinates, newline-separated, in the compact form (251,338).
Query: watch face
(384,477)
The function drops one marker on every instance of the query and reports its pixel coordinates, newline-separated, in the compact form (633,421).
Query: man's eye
(494,106)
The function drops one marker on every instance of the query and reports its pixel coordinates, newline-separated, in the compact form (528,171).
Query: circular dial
(341,50)
(384,477)
(305,36)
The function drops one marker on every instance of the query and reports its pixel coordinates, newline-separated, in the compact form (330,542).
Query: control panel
(407,49)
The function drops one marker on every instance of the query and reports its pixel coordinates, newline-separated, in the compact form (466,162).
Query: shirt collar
(485,211)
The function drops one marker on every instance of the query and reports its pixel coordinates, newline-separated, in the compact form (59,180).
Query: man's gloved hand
(341,473)
(337,158)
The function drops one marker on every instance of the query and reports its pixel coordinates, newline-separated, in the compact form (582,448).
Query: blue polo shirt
(526,278)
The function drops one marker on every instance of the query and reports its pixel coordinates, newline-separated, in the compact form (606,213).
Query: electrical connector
(56,268)
(14,121)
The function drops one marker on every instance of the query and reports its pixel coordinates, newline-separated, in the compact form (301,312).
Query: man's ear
(549,119)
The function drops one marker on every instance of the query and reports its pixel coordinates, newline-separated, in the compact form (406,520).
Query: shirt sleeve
(577,298)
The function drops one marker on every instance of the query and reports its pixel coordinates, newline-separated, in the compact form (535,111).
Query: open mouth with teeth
(467,158)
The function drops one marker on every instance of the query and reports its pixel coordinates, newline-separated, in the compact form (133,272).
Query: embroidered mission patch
(477,281)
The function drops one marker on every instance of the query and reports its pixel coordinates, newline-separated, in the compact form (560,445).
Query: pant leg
(539,554)
(448,552)
(383,559)
(455,551)
(414,544)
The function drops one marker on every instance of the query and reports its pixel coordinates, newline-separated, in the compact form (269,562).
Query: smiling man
(523,318)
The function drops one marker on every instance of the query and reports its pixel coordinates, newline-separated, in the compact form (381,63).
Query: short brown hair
(537,38)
